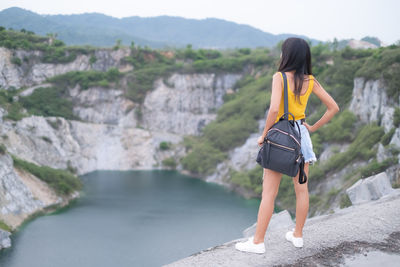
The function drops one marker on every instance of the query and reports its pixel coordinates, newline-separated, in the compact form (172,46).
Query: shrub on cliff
(62,181)
(87,79)
(48,101)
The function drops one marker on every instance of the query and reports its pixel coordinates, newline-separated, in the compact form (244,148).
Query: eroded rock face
(371,104)
(15,196)
(35,72)
(103,105)
(60,143)
(5,241)
(186,103)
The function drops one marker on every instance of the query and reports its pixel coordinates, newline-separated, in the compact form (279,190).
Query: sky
(319,19)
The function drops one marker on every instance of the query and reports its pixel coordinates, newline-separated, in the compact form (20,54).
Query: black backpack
(281,149)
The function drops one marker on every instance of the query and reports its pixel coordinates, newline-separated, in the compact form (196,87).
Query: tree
(52,37)
(117,44)
(335,44)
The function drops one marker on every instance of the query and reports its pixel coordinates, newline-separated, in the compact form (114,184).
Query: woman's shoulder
(277,75)
(310,77)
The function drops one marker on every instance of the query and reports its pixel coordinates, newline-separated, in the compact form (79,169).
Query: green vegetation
(202,158)
(396,117)
(385,140)
(53,50)
(62,181)
(345,201)
(375,167)
(339,129)
(3,149)
(169,162)
(4,226)
(13,108)
(165,145)
(384,63)
(87,79)
(16,60)
(48,101)
(251,179)
(46,139)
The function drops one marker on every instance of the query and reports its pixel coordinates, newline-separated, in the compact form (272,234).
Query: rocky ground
(374,225)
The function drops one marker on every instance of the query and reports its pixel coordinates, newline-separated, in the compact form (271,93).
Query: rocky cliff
(35,71)
(109,135)
(371,104)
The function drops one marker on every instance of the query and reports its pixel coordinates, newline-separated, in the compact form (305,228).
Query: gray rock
(15,196)
(100,105)
(371,188)
(371,222)
(396,139)
(12,75)
(185,103)
(382,153)
(370,102)
(5,241)
(332,149)
(281,220)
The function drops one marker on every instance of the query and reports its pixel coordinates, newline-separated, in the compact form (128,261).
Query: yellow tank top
(297,109)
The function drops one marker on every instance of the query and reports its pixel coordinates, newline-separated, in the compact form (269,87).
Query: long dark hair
(296,56)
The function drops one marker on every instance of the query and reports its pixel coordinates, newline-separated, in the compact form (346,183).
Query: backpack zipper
(276,129)
(286,147)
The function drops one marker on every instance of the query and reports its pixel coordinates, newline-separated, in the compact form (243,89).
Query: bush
(340,128)
(317,144)
(87,79)
(361,148)
(251,179)
(46,139)
(48,101)
(16,60)
(3,149)
(14,111)
(385,140)
(165,145)
(345,201)
(63,182)
(169,162)
(4,226)
(396,117)
(203,159)
(375,167)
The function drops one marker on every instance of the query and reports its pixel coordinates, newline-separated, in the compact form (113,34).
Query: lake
(133,218)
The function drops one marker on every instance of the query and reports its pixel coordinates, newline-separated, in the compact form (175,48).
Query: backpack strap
(285,96)
(302,174)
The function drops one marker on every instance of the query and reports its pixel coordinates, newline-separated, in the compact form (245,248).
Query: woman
(296,63)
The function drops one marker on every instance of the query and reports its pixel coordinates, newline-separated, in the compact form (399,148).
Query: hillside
(197,110)
(156,32)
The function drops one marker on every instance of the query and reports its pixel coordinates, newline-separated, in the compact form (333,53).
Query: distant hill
(156,32)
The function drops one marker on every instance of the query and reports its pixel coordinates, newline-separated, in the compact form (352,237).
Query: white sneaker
(296,241)
(249,246)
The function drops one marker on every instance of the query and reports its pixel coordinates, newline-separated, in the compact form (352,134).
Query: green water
(132,218)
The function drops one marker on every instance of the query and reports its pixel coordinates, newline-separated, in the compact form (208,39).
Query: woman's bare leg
(302,203)
(271,183)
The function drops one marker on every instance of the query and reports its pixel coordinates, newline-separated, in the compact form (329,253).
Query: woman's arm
(332,107)
(273,105)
